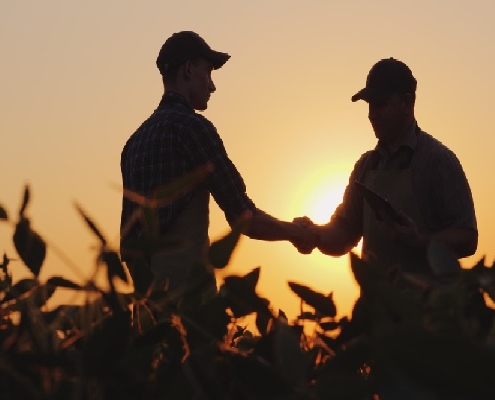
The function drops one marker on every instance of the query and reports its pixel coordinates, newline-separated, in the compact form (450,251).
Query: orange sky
(77,79)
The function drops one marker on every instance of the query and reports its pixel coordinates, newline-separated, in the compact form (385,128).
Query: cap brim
(370,95)
(217,58)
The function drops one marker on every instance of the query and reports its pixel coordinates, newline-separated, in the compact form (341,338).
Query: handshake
(307,235)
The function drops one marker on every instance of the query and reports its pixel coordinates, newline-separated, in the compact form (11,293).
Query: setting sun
(320,195)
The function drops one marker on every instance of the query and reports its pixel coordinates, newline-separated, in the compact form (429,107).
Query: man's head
(390,92)
(388,76)
(186,46)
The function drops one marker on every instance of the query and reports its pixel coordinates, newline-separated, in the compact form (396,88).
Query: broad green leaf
(30,246)
(320,302)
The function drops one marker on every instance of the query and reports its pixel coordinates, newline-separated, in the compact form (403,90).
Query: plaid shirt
(440,185)
(173,141)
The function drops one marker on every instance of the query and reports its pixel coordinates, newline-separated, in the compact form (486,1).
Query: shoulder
(197,121)
(363,164)
(430,144)
(433,151)
(437,161)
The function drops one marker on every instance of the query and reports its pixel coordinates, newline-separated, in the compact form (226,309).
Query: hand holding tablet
(380,205)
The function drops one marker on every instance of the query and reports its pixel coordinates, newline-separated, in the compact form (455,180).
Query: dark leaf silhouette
(141,274)
(42,294)
(114,265)
(220,251)
(323,304)
(289,358)
(258,379)
(3,214)
(450,362)
(91,225)
(241,296)
(30,246)
(263,322)
(172,191)
(20,288)
(58,281)
(329,326)
(106,343)
(25,201)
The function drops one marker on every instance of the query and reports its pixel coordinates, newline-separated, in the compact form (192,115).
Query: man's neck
(392,145)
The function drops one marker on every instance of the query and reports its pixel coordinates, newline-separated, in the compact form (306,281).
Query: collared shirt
(173,141)
(440,185)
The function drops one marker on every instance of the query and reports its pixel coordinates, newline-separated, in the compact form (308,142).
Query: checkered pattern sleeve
(203,145)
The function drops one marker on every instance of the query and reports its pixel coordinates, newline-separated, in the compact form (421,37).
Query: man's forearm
(265,227)
(463,242)
(333,240)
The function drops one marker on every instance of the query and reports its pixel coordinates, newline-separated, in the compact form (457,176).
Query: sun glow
(320,196)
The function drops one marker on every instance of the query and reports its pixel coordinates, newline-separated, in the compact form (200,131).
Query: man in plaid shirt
(175,141)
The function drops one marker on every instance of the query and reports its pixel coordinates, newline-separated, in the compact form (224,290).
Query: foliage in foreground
(191,344)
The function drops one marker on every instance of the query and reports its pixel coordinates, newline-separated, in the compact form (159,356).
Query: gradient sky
(78,77)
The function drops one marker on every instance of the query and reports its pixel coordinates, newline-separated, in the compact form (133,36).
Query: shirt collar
(410,140)
(169,98)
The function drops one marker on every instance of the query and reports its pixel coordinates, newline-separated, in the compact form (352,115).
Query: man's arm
(462,241)
(332,239)
(335,240)
(265,227)
(229,190)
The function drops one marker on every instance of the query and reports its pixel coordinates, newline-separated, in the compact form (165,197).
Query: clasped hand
(307,238)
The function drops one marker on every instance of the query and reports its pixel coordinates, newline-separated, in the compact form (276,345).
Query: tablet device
(380,205)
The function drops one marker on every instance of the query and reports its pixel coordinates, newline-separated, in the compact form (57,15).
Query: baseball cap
(386,77)
(184,46)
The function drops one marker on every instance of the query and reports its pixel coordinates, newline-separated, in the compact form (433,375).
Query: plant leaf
(91,225)
(241,296)
(58,281)
(20,288)
(324,304)
(289,358)
(30,246)
(3,214)
(114,265)
(141,274)
(220,251)
(25,201)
